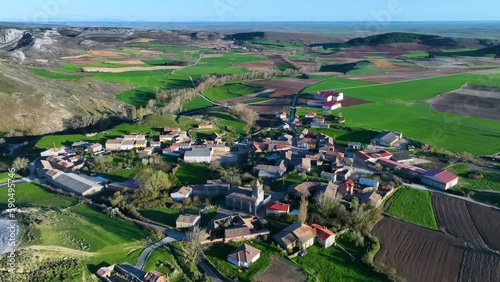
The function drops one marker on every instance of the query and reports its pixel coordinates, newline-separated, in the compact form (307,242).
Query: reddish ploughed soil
(281,271)
(487,222)
(417,253)
(284,87)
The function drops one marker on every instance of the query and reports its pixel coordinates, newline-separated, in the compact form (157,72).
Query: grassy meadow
(231,90)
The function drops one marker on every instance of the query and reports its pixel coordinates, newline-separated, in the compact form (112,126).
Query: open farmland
(470,100)
(453,218)
(413,206)
(487,222)
(280,270)
(480,266)
(417,253)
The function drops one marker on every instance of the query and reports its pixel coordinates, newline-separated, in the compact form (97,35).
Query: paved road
(420,187)
(143,258)
(209,271)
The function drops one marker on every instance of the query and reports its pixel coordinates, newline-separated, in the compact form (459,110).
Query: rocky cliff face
(10,36)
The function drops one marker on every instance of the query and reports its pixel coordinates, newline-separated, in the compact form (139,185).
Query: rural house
(387,138)
(295,235)
(354,145)
(324,236)
(94,148)
(181,194)
(187,221)
(310,115)
(244,256)
(277,208)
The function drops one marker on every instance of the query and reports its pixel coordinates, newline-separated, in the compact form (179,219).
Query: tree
(193,247)
(247,115)
(325,204)
(302,217)
(20,164)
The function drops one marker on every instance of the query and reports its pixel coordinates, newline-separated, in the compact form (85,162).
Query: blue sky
(250,10)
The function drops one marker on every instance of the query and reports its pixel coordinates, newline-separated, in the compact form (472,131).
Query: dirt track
(417,253)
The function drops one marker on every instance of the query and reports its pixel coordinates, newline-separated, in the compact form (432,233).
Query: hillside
(33,105)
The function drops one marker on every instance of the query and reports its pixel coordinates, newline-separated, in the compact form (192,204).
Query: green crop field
(490,180)
(453,132)
(416,89)
(231,90)
(332,83)
(332,264)
(488,197)
(68,68)
(343,136)
(53,75)
(145,78)
(193,173)
(416,54)
(196,104)
(138,97)
(413,206)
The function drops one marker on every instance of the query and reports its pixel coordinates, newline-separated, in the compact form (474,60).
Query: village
(323,172)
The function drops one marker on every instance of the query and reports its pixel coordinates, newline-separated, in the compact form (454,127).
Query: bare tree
(302,217)
(20,163)
(193,247)
(247,115)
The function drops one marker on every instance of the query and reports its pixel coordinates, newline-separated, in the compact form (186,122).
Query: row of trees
(173,100)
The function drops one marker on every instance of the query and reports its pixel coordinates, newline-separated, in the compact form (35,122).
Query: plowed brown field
(417,253)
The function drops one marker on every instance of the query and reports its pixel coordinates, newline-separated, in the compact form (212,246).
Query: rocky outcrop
(10,36)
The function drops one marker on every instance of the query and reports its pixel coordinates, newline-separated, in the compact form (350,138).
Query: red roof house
(324,236)
(277,208)
(441,179)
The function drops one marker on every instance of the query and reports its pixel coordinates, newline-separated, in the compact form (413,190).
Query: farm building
(354,145)
(281,115)
(75,183)
(295,235)
(94,148)
(330,106)
(310,115)
(182,194)
(402,157)
(80,145)
(244,256)
(187,221)
(198,155)
(130,185)
(370,197)
(387,138)
(324,236)
(277,208)
(329,96)
(54,152)
(315,103)
(441,179)
(127,145)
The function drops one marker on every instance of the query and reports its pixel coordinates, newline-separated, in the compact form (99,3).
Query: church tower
(258,191)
